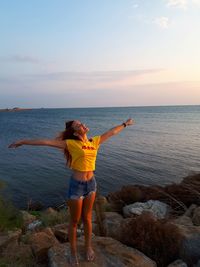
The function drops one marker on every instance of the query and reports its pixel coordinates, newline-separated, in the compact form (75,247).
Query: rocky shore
(138,226)
(14,109)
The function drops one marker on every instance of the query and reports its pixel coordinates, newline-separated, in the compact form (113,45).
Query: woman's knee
(87,218)
(74,222)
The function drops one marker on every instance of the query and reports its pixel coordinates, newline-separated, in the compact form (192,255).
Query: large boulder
(16,252)
(178,263)
(108,253)
(159,209)
(112,223)
(61,232)
(9,237)
(27,217)
(196,216)
(189,247)
(41,242)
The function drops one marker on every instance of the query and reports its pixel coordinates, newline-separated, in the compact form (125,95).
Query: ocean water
(163,146)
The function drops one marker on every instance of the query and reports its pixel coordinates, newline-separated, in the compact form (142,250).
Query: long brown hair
(68,133)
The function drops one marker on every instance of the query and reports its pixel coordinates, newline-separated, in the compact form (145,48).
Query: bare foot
(90,255)
(73,260)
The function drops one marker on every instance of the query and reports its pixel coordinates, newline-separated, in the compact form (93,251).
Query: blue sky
(99,53)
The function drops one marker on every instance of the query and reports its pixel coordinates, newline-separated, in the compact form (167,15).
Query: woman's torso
(84,155)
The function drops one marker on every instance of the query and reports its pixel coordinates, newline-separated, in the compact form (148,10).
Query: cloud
(20,59)
(162,22)
(98,76)
(183,4)
(177,3)
(62,81)
(196,2)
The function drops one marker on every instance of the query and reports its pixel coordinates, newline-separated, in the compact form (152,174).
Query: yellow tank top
(83,153)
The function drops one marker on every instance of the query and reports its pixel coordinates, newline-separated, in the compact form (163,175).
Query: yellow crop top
(83,153)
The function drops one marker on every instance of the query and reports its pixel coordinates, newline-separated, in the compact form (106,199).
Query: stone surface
(50,211)
(27,217)
(183,220)
(16,250)
(189,250)
(9,237)
(189,212)
(159,209)
(196,216)
(112,224)
(178,263)
(34,225)
(41,242)
(109,253)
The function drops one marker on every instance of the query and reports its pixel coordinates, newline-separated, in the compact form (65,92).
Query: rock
(196,217)
(41,242)
(183,220)
(159,209)
(61,232)
(15,251)
(112,224)
(178,263)
(108,253)
(189,212)
(50,211)
(34,225)
(27,217)
(9,237)
(189,250)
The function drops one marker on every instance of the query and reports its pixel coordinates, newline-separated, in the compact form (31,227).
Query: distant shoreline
(14,109)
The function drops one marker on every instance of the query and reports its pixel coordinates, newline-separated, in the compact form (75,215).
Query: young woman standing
(80,153)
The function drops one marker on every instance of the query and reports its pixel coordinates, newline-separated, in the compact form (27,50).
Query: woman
(81,155)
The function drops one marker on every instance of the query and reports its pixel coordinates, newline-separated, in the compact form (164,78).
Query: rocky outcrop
(41,242)
(178,263)
(108,253)
(196,216)
(61,232)
(189,247)
(9,237)
(159,209)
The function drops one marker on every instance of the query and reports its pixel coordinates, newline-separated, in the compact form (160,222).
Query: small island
(14,109)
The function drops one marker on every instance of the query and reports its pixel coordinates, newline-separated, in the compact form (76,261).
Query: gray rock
(183,220)
(35,224)
(178,263)
(159,209)
(112,223)
(189,212)
(189,250)
(196,217)
(108,253)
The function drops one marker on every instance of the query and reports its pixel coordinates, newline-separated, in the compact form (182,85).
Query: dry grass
(178,196)
(157,239)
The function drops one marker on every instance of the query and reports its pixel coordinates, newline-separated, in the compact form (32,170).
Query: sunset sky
(62,53)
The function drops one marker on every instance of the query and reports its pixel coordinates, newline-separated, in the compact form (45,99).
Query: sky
(63,53)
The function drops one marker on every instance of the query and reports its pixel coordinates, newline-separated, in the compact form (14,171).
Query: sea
(162,147)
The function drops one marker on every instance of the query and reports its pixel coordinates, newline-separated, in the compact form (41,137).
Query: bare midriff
(82,175)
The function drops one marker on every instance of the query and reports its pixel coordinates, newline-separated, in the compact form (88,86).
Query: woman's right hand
(15,144)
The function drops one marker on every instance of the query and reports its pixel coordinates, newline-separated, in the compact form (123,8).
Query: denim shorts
(81,189)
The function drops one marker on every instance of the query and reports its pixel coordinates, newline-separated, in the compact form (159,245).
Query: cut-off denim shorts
(81,189)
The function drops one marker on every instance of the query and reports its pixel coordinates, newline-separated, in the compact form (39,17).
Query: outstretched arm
(43,142)
(117,129)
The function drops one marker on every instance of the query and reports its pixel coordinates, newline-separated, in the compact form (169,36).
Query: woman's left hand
(129,122)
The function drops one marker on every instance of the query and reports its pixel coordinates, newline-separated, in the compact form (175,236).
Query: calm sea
(162,147)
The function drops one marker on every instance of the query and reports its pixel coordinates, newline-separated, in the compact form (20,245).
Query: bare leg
(87,220)
(75,207)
